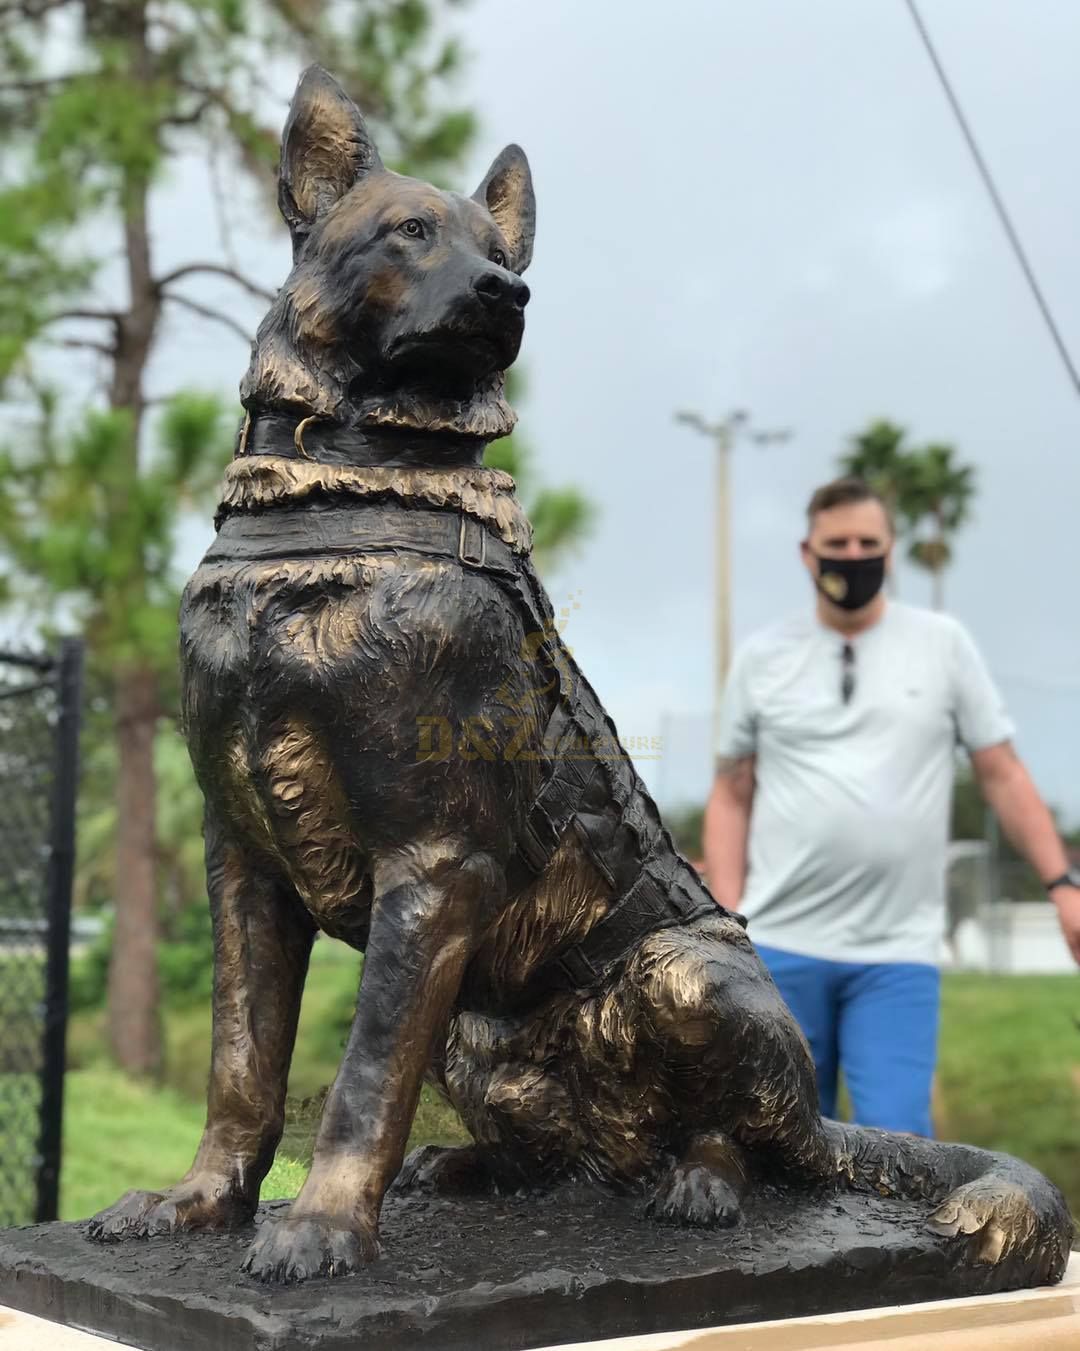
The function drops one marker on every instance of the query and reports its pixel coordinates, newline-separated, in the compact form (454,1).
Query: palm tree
(939,496)
(880,457)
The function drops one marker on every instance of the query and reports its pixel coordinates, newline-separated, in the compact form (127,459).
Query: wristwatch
(1069,879)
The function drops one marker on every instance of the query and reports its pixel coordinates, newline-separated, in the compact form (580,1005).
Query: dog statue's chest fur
(383,668)
(396,681)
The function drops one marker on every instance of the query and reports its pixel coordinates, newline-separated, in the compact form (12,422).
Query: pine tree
(97,97)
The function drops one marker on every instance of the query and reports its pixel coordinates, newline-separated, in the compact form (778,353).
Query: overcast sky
(766,203)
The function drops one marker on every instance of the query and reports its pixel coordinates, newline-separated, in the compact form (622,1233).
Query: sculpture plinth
(499,1273)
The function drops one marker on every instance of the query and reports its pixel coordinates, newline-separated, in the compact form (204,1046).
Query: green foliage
(928,491)
(88,520)
(939,496)
(96,102)
(102,124)
(36,273)
(185,963)
(686,825)
(181,871)
(186,959)
(561,517)
(88,125)
(88,515)
(186,954)
(878,456)
(395,56)
(89,972)
(968,808)
(1016,878)
(179,812)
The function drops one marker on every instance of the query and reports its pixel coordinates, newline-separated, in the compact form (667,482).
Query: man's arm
(727,826)
(1026,820)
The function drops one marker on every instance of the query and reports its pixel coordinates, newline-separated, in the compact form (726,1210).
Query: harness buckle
(472,543)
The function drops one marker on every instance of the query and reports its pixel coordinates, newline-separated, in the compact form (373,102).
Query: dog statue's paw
(202,1203)
(996,1215)
(440,1171)
(126,1218)
(287,1250)
(691,1194)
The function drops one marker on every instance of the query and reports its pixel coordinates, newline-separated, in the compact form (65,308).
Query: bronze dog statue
(396,748)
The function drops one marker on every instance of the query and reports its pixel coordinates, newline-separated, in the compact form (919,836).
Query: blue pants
(878,1021)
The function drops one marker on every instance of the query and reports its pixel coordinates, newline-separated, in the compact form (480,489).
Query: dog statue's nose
(496,288)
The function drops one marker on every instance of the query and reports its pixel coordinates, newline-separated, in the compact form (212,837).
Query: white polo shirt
(850,816)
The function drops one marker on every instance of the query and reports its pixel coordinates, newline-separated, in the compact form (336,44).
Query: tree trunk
(134,1014)
(134,1017)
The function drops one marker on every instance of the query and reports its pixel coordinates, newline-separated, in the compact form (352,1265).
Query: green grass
(1009,1078)
(1009,1070)
(119,1134)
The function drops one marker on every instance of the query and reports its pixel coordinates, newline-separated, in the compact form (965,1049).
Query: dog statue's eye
(498,257)
(413,228)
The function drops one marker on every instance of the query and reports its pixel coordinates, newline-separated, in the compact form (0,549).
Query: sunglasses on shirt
(847,672)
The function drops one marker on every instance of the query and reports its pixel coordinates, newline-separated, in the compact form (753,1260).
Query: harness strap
(561,796)
(659,889)
(658,899)
(371,528)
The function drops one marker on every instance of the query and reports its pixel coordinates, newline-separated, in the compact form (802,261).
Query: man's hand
(1027,822)
(1067,900)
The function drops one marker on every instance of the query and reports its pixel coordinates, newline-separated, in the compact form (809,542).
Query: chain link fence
(39,722)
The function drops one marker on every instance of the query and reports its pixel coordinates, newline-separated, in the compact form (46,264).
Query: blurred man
(828,821)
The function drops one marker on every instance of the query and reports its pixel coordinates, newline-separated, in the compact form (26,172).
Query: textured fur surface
(258,482)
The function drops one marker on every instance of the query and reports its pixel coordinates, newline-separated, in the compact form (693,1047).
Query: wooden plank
(1047,1319)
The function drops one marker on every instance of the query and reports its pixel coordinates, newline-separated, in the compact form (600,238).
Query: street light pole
(724,435)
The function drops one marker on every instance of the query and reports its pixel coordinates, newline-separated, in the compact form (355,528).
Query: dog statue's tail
(1006,1210)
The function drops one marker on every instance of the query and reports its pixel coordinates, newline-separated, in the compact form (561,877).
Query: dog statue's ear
(325,149)
(507,192)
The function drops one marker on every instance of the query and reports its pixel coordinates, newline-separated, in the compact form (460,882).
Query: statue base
(499,1273)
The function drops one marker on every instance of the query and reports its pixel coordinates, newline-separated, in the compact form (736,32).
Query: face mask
(850,583)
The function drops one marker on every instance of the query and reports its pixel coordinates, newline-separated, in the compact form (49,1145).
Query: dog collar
(321,439)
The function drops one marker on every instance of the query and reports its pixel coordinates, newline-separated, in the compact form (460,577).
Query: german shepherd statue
(396,748)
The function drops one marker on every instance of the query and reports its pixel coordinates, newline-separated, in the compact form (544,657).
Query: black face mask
(850,583)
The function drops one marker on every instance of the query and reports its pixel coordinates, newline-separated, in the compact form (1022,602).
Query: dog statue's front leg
(262,941)
(432,901)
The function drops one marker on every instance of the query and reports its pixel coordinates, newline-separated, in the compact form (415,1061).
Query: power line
(995,197)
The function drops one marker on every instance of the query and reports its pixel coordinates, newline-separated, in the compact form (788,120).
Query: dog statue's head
(405,304)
